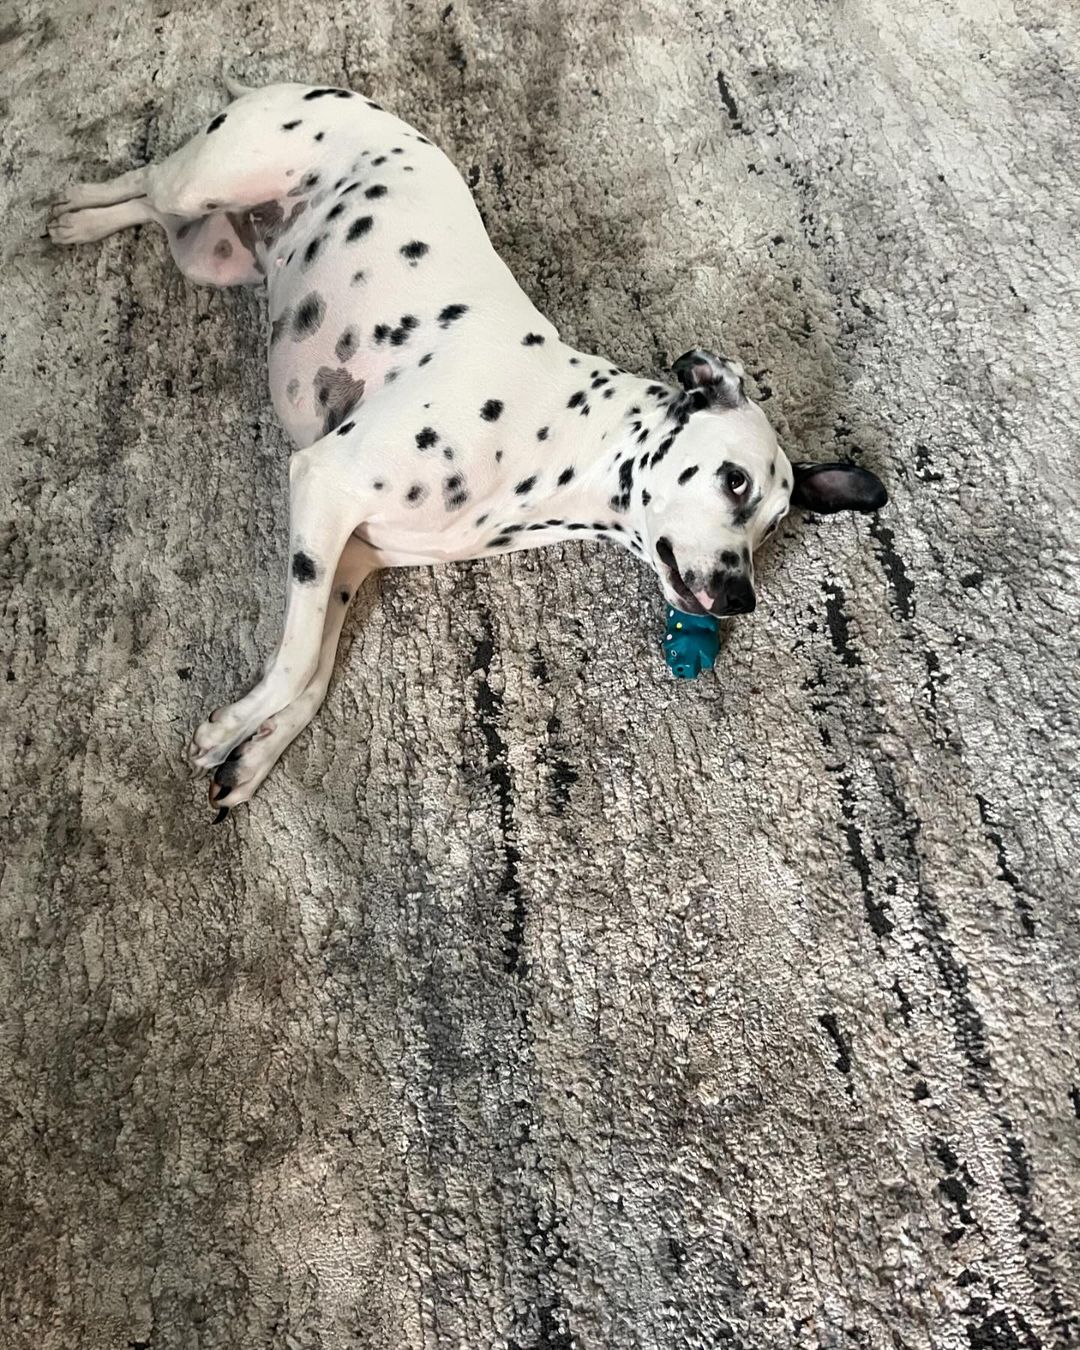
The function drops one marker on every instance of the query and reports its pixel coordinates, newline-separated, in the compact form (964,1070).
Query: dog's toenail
(220,816)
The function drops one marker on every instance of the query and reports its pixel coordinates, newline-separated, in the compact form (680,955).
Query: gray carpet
(539,1000)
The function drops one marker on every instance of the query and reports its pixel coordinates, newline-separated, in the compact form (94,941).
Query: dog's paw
(217,738)
(78,196)
(239,777)
(71,228)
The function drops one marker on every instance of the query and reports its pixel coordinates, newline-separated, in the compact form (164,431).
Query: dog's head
(724,485)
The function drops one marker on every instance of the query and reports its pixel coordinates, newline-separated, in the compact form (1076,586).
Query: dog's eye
(737,482)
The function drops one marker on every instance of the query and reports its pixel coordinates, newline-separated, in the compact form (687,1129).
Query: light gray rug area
(540,1000)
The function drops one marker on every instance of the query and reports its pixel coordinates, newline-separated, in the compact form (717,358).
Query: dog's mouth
(735,599)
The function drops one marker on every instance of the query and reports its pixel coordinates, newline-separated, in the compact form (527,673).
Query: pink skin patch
(703,598)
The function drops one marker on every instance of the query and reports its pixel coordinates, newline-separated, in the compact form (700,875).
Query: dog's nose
(729,593)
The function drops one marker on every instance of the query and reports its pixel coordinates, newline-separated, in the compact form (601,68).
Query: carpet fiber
(540,1000)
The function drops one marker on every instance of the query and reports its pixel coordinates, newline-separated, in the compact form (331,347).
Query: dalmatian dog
(437,414)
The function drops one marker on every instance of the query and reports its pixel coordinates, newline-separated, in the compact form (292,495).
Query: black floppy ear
(720,380)
(826,488)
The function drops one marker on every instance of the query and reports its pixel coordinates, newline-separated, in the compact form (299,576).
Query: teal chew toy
(691,643)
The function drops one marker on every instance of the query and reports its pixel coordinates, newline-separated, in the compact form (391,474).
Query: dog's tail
(235,88)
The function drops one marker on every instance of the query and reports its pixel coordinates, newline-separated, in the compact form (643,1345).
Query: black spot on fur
(345,428)
(426,438)
(313,250)
(397,150)
(290,126)
(425,359)
(414,250)
(526,485)
(416,494)
(217,122)
(565,477)
(346,344)
(303,568)
(574,361)
(358,277)
(335,211)
(450,313)
(337,393)
(376,190)
(358,229)
(381,160)
(319,135)
(542,434)
(687,474)
(531,340)
(309,316)
(377,106)
(492,410)
(646,496)
(381,332)
(576,399)
(500,541)
(326,93)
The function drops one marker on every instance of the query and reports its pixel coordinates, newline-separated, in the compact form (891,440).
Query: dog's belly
(372,280)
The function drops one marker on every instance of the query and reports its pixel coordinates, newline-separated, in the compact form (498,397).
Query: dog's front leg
(238,779)
(324,509)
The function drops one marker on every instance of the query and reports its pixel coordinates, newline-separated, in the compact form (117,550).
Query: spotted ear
(720,380)
(826,488)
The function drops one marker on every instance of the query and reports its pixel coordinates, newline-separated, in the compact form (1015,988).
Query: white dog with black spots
(438,416)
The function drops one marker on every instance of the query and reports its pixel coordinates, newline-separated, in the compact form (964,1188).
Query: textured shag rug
(540,1000)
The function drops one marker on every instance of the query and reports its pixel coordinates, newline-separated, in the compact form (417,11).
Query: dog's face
(723,488)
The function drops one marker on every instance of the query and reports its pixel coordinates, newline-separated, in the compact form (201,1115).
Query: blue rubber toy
(691,643)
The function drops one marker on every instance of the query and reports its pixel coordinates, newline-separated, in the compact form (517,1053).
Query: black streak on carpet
(488,705)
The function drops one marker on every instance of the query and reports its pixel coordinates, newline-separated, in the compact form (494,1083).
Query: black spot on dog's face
(492,410)
(542,434)
(526,485)
(425,359)
(291,126)
(309,316)
(576,399)
(217,122)
(565,477)
(358,229)
(358,276)
(345,428)
(381,159)
(371,104)
(687,474)
(454,494)
(451,313)
(223,249)
(376,190)
(416,495)
(303,568)
(414,250)
(381,332)
(326,93)
(426,438)
(397,150)
(347,344)
(319,135)
(335,211)
(312,251)
(532,340)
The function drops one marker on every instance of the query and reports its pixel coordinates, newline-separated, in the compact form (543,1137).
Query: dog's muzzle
(723,595)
